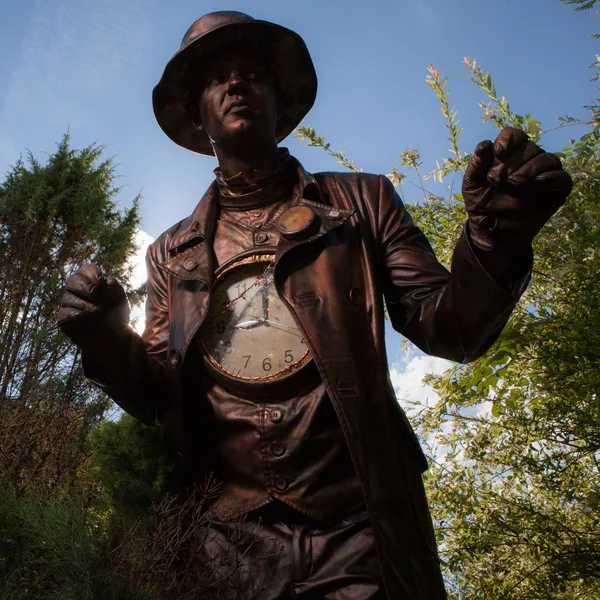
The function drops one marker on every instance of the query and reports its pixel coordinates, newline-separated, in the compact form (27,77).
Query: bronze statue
(263,355)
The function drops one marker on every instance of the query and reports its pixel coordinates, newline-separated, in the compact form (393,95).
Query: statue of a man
(263,355)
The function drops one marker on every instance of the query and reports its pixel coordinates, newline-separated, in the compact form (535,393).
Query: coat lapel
(191,267)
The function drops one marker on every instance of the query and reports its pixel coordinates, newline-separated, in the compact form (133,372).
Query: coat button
(281,483)
(356,296)
(489,222)
(278,448)
(194,226)
(190,264)
(261,238)
(174,358)
(257,214)
(275,415)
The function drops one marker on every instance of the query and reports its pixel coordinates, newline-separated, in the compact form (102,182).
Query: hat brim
(289,59)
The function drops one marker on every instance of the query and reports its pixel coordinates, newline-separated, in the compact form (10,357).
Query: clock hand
(265,303)
(256,322)
(277,325)
(249,324)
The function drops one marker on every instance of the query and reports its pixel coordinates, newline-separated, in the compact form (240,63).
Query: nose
(236,82)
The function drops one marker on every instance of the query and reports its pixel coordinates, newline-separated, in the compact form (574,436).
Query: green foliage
(497,110)
(310,135)
(49,549)
(54,216)
(458,161)
(581,4)
(133,465)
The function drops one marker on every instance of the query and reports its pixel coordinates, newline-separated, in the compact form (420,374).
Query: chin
(246,130)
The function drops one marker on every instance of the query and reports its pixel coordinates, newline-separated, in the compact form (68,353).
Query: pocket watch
(249,333)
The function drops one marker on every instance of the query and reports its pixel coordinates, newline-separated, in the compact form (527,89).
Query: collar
(253,180)
(200,225)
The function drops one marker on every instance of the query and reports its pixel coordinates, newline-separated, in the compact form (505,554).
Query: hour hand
(249,324)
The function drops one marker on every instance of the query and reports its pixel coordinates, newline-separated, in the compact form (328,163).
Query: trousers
(276,553)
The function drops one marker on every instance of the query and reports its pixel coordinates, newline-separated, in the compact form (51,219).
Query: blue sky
(90,65)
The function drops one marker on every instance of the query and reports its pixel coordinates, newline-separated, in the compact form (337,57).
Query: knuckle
(91,271)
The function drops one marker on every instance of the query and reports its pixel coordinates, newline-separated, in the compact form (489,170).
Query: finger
(537,165)
(86,281)
(555,182)
(113,293)
(67,314)
(72,301)
(521,156)
(508,141)
(475,176)
(502,169)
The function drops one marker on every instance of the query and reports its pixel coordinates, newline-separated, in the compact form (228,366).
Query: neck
(265,159)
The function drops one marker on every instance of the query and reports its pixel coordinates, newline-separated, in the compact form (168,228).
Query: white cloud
(412,393)
(408,381)
(139,276)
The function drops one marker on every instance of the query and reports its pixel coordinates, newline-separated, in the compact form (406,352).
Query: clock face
(249,333)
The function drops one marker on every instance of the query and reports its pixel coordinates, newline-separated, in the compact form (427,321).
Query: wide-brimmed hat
(286,51)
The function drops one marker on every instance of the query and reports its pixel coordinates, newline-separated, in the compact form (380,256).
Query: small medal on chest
(298,223)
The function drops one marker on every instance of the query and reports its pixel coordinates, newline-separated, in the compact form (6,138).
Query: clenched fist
(511,188)
(94,310)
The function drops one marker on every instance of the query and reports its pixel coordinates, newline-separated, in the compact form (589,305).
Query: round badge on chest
(298,223)
(249,333)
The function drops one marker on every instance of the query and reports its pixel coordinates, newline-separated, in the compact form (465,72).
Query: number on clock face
(249,333)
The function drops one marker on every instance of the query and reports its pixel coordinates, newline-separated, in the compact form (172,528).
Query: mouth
(240,105)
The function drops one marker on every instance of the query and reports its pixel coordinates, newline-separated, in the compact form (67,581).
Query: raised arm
(511,188)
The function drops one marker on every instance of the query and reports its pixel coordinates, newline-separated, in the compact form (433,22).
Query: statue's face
(238,101)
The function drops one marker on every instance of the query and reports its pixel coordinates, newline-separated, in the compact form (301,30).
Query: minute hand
(283,327)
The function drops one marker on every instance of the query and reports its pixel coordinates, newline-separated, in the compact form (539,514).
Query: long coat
(334,283)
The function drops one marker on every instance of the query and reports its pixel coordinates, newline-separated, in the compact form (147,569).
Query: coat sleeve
(455,315)
(136,374)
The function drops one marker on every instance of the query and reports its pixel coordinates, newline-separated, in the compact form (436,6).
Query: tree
(133,464)
(53,217)
(514,441)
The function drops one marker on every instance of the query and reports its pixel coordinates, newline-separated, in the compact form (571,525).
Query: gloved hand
(94,311)
(511,188)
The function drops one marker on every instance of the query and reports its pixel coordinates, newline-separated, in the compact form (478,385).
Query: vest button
(281,483)
(261,238)
(278,448)
(275,415)
(174,358)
